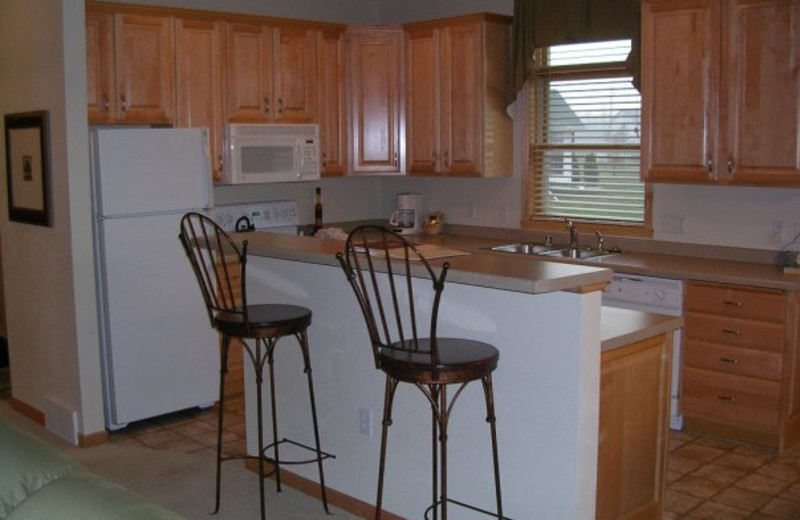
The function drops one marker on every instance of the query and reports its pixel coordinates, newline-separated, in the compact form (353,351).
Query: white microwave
(258,153)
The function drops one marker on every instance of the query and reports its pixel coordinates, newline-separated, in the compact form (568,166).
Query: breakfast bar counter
(545,319)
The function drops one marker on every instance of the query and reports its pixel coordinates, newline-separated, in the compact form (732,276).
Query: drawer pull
(729,360)
(726,398)
(733,332)
(732,303)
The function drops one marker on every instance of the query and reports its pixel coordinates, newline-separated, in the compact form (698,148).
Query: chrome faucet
(573,234)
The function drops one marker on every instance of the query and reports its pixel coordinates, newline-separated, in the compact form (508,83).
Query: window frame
(543,223)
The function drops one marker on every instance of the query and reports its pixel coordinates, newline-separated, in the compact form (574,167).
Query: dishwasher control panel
(662,295)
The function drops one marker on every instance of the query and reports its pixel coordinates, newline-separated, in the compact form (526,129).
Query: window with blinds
(584,136)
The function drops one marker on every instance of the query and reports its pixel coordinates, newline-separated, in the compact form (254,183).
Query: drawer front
(736,332)
(736,400)
(736,301)
(733,360)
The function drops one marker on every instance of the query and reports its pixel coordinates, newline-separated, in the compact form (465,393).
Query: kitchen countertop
(620,327)
(511,273)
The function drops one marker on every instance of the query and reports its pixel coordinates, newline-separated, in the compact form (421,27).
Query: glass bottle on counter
(318,209)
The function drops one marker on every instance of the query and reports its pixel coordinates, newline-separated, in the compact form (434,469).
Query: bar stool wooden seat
(380,266)
(220,267)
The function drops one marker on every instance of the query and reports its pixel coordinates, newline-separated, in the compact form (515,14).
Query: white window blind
(584,142)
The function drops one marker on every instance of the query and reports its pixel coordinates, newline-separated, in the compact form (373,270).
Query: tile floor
(707,478)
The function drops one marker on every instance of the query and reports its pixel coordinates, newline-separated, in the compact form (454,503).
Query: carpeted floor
(182,481)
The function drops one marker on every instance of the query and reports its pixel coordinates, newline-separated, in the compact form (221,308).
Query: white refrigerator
(159,352)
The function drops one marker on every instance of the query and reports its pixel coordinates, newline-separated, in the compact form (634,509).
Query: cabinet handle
(729,360)
(733,332)
(710,165)
(105,103)
(396,159)
(726,398)
(324,159)
(124,102)
(280,105)
(732,303)
(266,105)
(731,164)
(446,159)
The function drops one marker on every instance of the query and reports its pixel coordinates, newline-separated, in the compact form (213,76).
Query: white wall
(48,270)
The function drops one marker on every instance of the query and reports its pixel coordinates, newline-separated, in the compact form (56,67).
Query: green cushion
(84,497)
(26,465)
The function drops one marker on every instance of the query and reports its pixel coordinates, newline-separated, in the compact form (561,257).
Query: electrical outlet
(365,422)
(778,236)
(674,224)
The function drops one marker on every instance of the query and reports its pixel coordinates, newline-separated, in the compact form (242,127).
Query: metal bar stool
(380,265)
(219,265)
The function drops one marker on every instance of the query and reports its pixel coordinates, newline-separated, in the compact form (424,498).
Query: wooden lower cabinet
(634,418)
(740,363)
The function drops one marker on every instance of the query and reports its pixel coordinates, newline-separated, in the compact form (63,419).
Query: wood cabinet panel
(733,399)
(737,301)
(248,60)
(294,73)
(733,360)
(144,60)
(455,112)
(200,95)
(375,56)
(634,408)
(724,105)
(331,116)
(736,332)
(100,66)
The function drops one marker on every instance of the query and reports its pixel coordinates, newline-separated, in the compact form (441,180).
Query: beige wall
(47,270)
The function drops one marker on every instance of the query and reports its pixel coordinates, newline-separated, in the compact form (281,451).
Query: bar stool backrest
(219,265)
(380,266)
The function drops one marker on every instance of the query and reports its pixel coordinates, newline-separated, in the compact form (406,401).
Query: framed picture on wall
(28,167)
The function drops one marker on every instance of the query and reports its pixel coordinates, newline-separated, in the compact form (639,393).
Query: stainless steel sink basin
(523,248)
(579,254)
(529,248)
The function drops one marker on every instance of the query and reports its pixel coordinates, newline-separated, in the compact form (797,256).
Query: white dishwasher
(659,296)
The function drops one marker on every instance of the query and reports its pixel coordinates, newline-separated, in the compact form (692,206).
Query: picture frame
(27,137)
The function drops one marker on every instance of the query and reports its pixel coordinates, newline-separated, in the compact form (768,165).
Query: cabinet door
(331,102)
(375,102)
(294,74)
(248,53)
(198,45)
(144,58)
(679,86)
(422,101)
(100,66)
(462,99)
(761,94)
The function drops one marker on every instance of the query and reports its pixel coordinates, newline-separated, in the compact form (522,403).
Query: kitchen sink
(578,254)
(529,248)
(523,248)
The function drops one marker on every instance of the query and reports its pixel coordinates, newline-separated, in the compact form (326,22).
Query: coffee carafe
(407,218)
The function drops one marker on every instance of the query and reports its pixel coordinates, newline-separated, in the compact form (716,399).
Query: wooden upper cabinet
(331,102)
(100,66)
(723,106)
(271,73)
(760,104)
(456,118)
(200,95)
(130,67)
(375,75)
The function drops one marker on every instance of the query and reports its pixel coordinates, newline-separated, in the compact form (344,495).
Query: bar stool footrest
(322,454)
(466,506)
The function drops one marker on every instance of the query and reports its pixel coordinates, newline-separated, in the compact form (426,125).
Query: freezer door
(150,170)
(160,352)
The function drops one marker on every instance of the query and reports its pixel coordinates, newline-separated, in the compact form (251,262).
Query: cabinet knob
(280,105)
(732,332)
(433,159)
(220,162)
(106,103)
(732,303)
(710,165)
(726,398)
(324,159)
(396,159)
(731,165)
(266,105)
(729,360)
(123,102)
(446,159)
